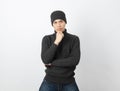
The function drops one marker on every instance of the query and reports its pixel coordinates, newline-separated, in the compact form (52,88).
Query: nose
(58,24)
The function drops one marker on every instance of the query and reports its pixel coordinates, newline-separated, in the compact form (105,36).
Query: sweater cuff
(55,45)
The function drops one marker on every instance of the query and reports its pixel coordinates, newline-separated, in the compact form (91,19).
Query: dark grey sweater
(63,57)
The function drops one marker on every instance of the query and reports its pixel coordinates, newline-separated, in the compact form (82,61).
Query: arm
(48,52)
(73,58)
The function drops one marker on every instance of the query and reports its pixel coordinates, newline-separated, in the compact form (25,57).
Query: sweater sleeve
(73,58)
(48,51)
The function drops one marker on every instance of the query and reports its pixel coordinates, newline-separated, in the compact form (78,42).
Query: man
(60,54)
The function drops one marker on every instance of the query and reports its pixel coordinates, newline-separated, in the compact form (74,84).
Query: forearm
(66,62)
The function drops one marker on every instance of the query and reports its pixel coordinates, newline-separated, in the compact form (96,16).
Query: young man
(60,54)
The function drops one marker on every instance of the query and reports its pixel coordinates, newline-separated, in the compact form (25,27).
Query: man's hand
(59,37)
(48,65)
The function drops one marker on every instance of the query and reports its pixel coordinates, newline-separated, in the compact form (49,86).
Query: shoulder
(46,37)
(74,40)
(72,36)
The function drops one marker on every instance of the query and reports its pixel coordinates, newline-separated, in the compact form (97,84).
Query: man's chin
(61,30)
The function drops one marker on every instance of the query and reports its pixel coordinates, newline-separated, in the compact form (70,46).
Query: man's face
(59,25)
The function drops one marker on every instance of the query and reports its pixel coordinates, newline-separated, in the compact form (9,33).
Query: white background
(23,23)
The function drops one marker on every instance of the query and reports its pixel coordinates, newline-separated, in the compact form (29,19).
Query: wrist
(56,43)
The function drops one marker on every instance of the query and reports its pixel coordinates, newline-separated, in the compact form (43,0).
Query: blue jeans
(50,86)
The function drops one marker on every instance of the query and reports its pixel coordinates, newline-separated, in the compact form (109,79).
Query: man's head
(58,20)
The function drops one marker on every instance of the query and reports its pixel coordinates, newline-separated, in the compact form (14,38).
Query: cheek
(63,25)
(54,26)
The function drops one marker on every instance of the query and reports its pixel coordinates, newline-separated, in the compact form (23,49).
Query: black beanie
(58,15)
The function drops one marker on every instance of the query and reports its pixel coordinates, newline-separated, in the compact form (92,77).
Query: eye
(61,21)
(55,22)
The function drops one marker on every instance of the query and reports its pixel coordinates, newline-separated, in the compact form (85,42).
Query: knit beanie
(58,15)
